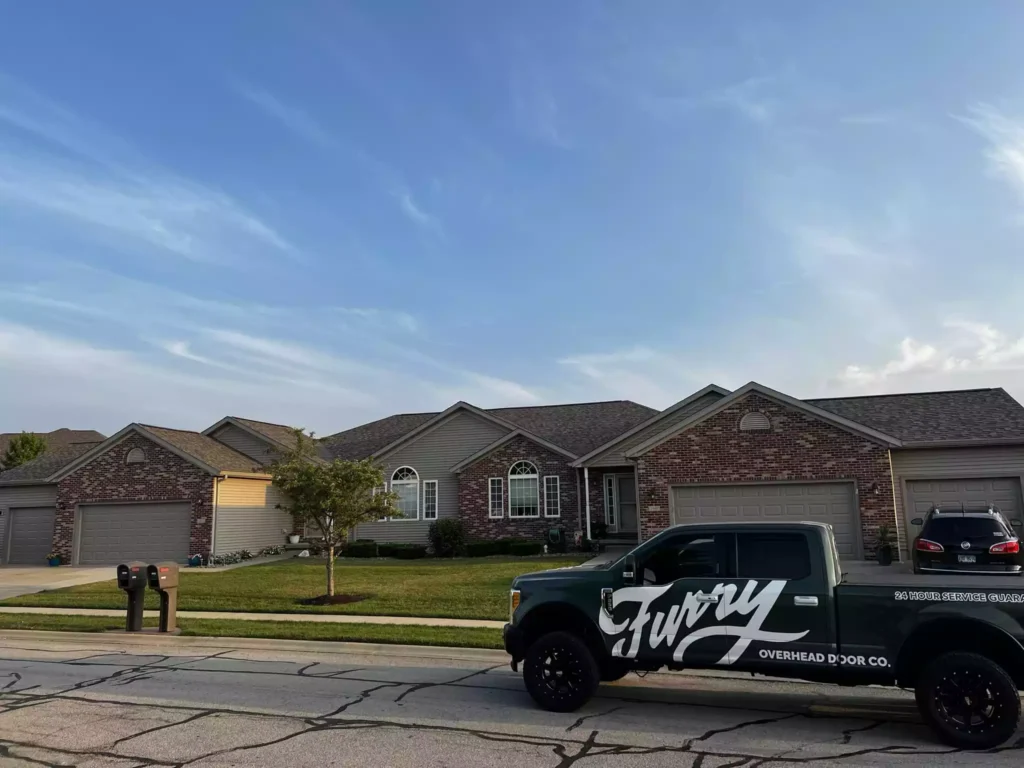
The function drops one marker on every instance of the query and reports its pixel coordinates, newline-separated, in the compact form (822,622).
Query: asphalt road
(98,703)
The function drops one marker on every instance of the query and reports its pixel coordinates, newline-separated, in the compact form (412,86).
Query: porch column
(586,494)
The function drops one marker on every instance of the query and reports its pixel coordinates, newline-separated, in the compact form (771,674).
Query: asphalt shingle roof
(578,428)
(53,460)
(279,433)
(931,417)
(206,449)
(58,438)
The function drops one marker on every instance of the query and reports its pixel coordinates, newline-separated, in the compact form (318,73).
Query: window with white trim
(405,483)
(552,498)
(523,490)
(430,499)
(495,494)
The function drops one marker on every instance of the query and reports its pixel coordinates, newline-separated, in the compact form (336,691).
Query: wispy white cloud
(292,118)
(416,214)
(1005,136)
(751,98)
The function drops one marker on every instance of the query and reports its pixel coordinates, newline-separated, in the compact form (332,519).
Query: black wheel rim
(967,701)
(561,672)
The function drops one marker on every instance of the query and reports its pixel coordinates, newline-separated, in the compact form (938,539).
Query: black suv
(967,541)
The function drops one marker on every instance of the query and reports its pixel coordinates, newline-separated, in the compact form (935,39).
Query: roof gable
(488,449)
(771,394)
(42,467)
(278,436)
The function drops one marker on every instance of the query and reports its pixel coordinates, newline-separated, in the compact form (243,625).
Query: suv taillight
(923,545)
(1005,548)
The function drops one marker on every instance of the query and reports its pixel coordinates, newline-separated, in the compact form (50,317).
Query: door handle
(707,598)
(808,601)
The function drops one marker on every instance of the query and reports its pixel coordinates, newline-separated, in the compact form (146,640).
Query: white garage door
(831,503)
(116,533)
(922,495)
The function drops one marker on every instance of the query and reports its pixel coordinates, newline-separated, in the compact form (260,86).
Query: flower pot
(885,555)
(54,562)
(294,538)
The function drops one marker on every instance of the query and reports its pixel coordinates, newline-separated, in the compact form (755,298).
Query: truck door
(792,625)
(670,615)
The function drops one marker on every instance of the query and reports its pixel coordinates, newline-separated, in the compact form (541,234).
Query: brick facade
(798,447)
(474,488)
(163,477)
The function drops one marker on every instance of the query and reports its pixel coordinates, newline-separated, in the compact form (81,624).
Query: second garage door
(831,503)
(31,535)
(116,533)
(922,495)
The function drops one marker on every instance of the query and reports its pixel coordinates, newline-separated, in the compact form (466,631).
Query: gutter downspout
(586,490)
(579,503)
(216,501)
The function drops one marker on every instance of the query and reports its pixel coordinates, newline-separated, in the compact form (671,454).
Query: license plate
(967,558)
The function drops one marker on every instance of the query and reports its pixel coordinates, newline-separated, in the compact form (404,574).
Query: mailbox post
(131,577)
(163,578)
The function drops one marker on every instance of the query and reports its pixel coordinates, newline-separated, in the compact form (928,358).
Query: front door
(673,616)
(627,503)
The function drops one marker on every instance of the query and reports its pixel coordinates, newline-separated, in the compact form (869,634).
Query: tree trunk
(330,570)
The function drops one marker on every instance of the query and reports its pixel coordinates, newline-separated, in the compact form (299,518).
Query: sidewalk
(320,618)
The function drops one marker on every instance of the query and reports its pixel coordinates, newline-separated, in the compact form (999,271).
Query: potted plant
(293,538)
(599,529)
(884,545)
(53,559)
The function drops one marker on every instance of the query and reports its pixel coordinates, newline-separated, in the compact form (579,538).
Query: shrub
(409,551)
(268,551)
(387,548)
(503,546)
(447,537)
(525,548)
(364,541)
(482,548)
(361,549)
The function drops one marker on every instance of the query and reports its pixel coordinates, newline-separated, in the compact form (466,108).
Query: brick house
(618,468)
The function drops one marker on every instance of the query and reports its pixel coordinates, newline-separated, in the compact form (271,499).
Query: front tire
(560,672)
(969,700)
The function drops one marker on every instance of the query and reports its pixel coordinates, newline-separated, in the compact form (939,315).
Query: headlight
(513,602)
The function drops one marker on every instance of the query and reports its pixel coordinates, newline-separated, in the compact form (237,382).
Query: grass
(282,630)
(459,589)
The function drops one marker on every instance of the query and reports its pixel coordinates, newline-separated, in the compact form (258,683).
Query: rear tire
(968,700)
(560,672)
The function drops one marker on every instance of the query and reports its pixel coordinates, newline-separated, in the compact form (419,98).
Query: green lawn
(285,630)
(462,589)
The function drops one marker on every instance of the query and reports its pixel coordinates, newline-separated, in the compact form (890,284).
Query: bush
(387,548)
(447,537)
(482,548)
(525,548)
(504,546)
(361,549)
(409,551)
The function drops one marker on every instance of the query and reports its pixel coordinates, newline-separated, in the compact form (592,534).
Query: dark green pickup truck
(772,599)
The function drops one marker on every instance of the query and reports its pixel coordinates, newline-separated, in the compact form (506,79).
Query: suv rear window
(965,527)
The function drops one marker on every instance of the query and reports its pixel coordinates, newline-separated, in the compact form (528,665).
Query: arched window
(135,456)
(523,490)
(755,421)
(406,483)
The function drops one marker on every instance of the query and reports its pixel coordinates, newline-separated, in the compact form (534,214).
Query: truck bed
(902,575)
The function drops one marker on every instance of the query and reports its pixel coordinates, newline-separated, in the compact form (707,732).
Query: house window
(430,499)
(495,494)
(523,490)
(552,498)
(755,421)
(135,456)
(609,500)
(406,484)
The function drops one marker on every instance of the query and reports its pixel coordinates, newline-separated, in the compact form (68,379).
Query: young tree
(334,496)
(22,449)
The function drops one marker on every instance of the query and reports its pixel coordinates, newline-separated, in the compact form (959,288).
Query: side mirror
(917,521)
(629,571)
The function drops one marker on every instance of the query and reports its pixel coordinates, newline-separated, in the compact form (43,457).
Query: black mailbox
(131,577)
(163,577)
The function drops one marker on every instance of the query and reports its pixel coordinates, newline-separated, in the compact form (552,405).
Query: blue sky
(323,213)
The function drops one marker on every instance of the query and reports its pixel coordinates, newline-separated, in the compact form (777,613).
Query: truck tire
(560,672)
(969,700)
(614,669)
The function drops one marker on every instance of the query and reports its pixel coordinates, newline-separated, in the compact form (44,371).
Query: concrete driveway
(16,580)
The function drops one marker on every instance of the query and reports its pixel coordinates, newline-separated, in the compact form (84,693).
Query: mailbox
(131,577)
(163,577)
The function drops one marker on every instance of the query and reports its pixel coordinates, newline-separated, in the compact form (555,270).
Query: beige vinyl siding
(616,455)
(247,517)
(432,455)
(953,464)
(23,496)
(246,443)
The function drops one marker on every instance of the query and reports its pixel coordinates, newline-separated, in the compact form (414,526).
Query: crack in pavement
(581,720)
(423,686)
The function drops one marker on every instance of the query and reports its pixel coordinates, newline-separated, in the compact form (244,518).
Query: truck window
(773,556)
(693,556)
